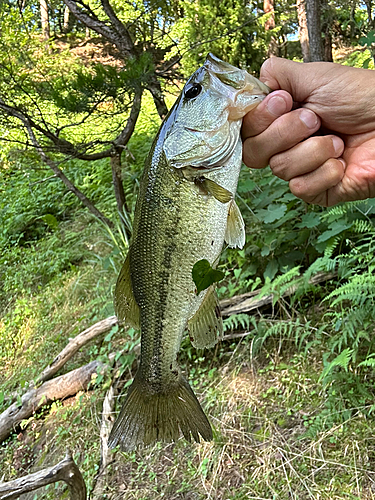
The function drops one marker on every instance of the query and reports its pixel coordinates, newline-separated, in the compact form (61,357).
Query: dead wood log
(66,470)
(74,345)
(248,302)
(59,388)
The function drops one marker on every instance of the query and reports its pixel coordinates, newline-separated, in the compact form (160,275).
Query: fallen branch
(74,345)
(66,470)
(107,457)
(248,302)
(59,388)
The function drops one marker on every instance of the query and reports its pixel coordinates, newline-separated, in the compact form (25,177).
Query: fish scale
(185,209)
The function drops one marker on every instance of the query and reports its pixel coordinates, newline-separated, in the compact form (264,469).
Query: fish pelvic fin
(219,192)
(206,326)
(148,416)
(126,308)
(235,234)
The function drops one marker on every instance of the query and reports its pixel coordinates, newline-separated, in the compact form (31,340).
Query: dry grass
(259,450)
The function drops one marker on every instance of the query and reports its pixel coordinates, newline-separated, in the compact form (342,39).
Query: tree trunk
(302,30)
(326,30)
(67,20)
(117,181)
(44,18)
(314,29)
(268,7)
(328,56)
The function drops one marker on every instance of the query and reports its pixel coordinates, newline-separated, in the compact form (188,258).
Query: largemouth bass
(185,210)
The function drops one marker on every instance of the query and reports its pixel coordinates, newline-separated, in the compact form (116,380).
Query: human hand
(338,103)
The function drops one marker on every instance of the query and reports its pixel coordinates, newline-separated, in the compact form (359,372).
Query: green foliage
(204,275)
(88,88)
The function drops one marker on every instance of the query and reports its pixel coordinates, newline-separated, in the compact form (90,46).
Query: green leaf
(309,220)
(246,186)
(336,228)
(274,212)
(50,220)
(204,276)
(366,62)
(367,40)
(271,269)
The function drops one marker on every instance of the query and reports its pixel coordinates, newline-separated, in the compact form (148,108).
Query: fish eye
(193,91)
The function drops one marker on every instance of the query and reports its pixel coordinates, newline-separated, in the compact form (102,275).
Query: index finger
(273,106)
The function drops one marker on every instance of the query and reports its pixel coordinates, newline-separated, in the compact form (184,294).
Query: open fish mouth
(243,90)
(237,78)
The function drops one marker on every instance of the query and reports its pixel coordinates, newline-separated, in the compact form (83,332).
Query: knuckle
(298,188)
(335,171)
(252,155)
(317,150)
(279,165)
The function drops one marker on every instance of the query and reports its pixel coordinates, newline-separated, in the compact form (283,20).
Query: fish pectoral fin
(126,308)
(148,416)
(235,230)
(217,191)
(206,326)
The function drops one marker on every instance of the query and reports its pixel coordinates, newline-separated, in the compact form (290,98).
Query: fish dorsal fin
(126,308)
(206,326)
(217,191)
(235,231)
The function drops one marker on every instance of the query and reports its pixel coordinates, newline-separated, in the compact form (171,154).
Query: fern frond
(341,361)
(363,226)
(239,321)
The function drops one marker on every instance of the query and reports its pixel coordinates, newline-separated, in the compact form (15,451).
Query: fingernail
(276,105)
(343,163)
(309,118)
(337,145)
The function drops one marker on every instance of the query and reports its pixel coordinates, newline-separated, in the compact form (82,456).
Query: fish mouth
(243,90)
(236,78)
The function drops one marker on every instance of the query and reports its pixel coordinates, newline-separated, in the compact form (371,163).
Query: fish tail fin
(147,417)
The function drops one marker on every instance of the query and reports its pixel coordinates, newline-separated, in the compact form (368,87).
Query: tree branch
(123,138)
(74,345)
(66,470)
(91,20)
(248,302)
(63,146)
(126,41)
(52,165)
(116,34)
(59,388)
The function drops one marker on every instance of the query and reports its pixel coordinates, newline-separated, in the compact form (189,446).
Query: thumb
(299,79)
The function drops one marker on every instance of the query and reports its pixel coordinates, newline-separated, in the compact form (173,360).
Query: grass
(260,449)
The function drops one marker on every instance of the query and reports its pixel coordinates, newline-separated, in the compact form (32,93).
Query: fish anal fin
(147,417)
(219,192)
(235,231)
(126,308)
(206,326)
